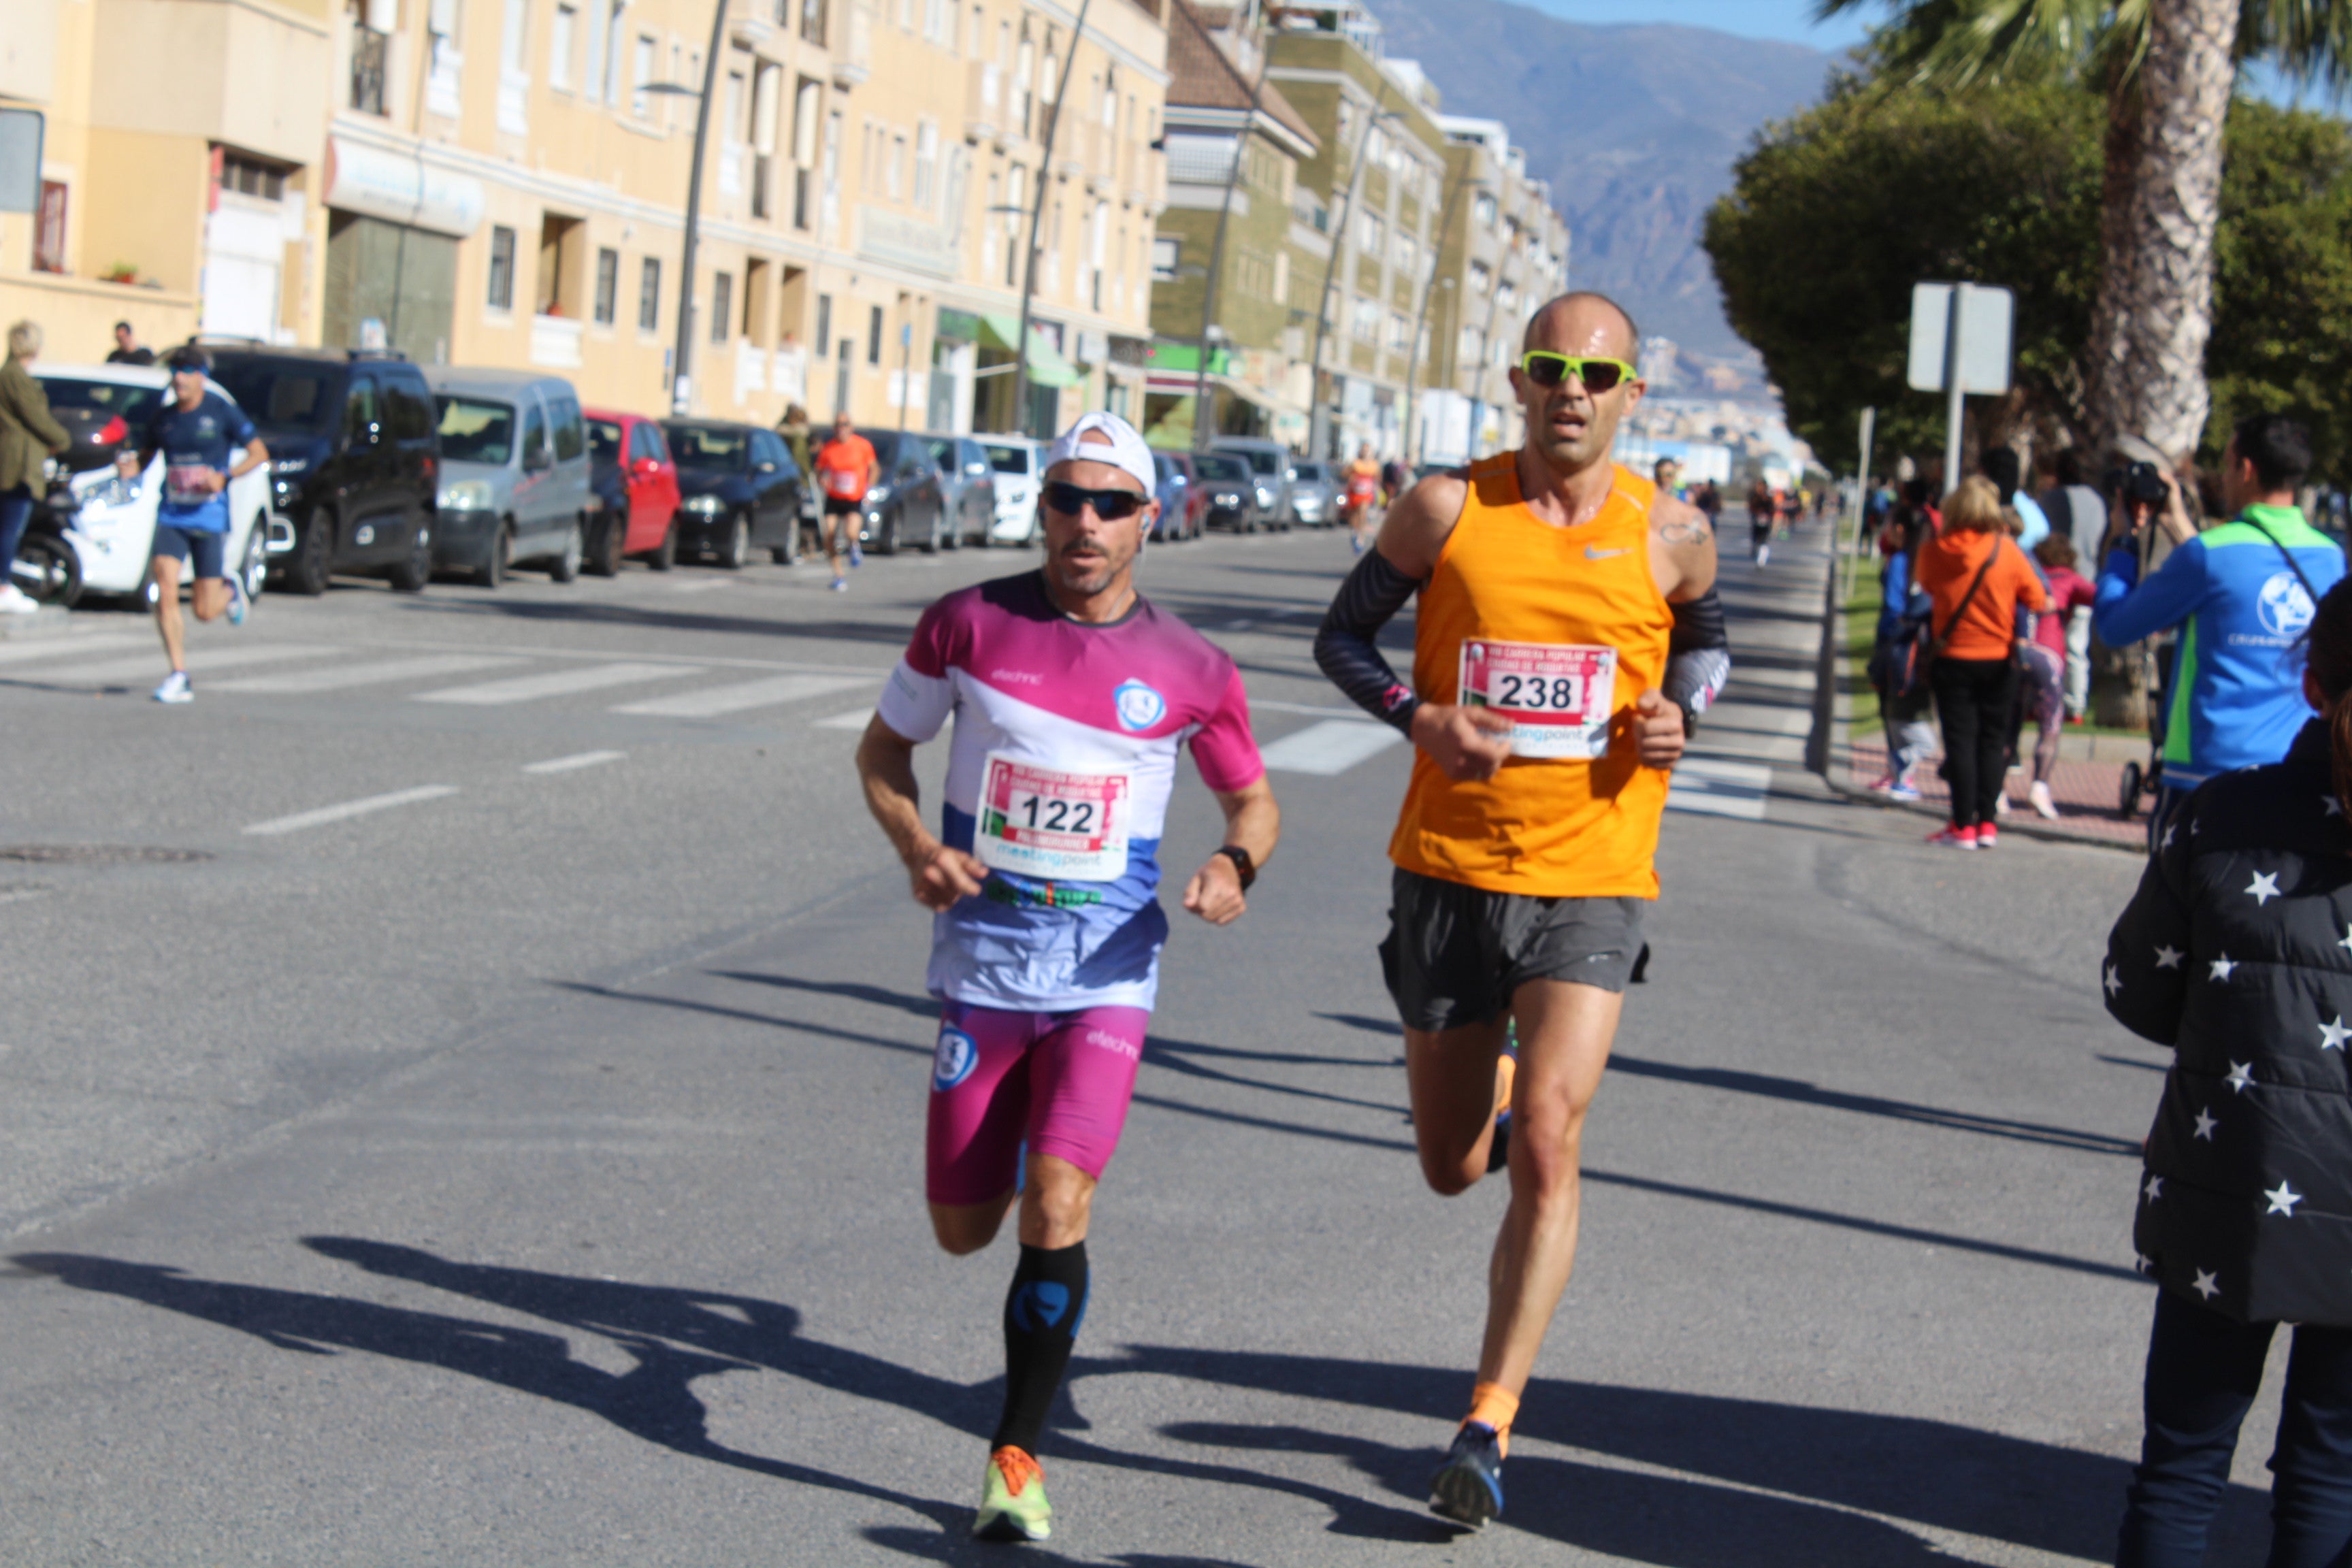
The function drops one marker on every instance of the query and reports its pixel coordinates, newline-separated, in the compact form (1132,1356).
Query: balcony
(855,63)
(984,103)
(369,49)
(555,343)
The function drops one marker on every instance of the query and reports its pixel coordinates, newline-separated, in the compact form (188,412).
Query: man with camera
(2241,594)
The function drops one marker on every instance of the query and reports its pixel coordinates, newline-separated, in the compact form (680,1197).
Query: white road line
(1333,746)
(202,662)
(1261,705)
(713,700)
(341,676)
(855,718)
(351,809)
(699,585)
(1719,789)
(557,683)
(577,760)
(68,644)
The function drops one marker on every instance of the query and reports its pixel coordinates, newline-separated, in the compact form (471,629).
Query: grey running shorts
(1455,953)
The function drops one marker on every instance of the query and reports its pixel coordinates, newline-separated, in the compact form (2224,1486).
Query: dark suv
(354,457)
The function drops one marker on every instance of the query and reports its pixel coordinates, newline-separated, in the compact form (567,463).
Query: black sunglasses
(1112,506)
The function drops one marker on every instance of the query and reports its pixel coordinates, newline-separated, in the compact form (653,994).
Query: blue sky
(1786,19)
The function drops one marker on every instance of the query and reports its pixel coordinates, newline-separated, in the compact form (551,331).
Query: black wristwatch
(1690,719)
(1242,863)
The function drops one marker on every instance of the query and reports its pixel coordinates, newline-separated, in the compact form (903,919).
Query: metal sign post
(1861,499)
(1959,344)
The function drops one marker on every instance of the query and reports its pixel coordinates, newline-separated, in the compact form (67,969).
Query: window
(560,38)
(649,296)
(1483,210)
(1369,233)
(1400,332)
(49,232)
(502,260)
(896,181)
(608,286)
(1480,278)
(939,23)
(641,102)
(248,178)
(612,33)
(360,417)
(1166,255)
(823,325)
(812,22)
(927,163)
(722,305)
(874,336)
(369,49)
(571,431)
(1364,319)
(534,430)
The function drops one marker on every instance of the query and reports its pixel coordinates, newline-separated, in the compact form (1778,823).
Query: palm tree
(2167,69)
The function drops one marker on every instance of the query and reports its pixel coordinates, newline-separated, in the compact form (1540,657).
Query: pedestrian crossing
(559,683)
(712,702)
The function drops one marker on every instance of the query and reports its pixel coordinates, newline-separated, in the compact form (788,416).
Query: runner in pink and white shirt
(1071,695)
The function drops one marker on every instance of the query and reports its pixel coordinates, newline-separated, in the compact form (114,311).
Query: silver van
(514,474)
(1272,469)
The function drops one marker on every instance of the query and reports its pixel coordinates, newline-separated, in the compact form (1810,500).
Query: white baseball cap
(1118,444)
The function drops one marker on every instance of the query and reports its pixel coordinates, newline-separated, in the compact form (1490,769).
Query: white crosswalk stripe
(712,702)
(1332,746)
(342,676)
(347,809)
(202,662)
(68,646)
(855,718)
(1719,789)
(557,683)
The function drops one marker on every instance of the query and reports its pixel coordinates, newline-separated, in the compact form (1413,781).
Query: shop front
(394,222)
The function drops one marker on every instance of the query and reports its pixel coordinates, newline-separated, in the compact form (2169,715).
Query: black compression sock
(1042,1313)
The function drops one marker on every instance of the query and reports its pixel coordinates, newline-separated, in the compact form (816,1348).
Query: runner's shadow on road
(1823,1467)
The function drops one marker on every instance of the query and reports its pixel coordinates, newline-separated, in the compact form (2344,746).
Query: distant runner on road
(1361,488)
(1567,637)
(1763,512)
(1071,694)
(846,468)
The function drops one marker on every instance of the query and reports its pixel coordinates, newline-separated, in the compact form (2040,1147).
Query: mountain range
(1635,127)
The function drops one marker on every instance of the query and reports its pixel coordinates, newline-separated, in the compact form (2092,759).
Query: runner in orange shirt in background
(1362,486)
(846,469)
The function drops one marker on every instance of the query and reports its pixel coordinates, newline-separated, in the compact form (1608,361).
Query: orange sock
(1497,1406)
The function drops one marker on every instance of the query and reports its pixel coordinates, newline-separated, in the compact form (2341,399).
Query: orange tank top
(1560,628)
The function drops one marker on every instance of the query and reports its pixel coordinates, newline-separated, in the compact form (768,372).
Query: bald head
(1584,322)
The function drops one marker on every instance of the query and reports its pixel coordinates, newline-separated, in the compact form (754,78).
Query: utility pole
(1428,287)
(1036,221)
(681,386)
(1201,420)
(1319,423)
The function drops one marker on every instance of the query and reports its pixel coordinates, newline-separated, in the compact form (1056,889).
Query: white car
(110,536)
(1020,464)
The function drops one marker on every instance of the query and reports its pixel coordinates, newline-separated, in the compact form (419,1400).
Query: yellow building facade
(503,181)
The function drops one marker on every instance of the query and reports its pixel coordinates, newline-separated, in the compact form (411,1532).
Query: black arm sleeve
(1698,654)
(1372,594)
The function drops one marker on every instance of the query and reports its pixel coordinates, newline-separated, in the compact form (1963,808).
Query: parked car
(1232,489)
(630,469)
(906,505)
(1270,472)
(1020,464)
(94,532)
(356,465)
(742,491)
(1183,503)
(970,485)
(515,486)
(1314,496)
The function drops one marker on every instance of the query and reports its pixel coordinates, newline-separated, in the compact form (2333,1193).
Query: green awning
(1047,366)
(1169,356)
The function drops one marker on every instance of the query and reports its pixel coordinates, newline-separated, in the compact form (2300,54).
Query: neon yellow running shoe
(1013,1505)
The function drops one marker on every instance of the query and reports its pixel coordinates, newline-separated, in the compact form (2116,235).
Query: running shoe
(175,688)
(1905,790)
(1013,1505)
(237,602)
(841,585)
(2000,804)
(1954,838)
(2043,806)
(1468,1487)
(856,556)
(14,601)
(1987,836)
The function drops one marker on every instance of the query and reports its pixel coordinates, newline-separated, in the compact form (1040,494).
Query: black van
(354,455)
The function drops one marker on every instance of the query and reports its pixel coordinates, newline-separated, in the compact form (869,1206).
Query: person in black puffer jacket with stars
(2237,952)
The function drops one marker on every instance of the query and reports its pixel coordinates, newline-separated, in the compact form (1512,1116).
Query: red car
(634,477)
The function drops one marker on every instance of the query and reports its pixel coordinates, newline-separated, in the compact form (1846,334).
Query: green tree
(1834,213)
(2166,70)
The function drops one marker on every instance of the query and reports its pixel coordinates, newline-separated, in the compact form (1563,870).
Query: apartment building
(502,183)
(1504,251)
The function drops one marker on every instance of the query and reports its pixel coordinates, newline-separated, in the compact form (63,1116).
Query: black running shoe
(1468,1487)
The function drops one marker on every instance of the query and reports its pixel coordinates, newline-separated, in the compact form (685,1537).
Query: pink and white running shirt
(1058,777)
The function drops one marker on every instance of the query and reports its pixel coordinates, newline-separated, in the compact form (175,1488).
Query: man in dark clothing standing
(126,350)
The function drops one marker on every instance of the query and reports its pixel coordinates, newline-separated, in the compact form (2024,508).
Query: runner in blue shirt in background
(195,429)
(2242,593)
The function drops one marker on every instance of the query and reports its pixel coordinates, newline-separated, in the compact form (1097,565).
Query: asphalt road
(499,1139)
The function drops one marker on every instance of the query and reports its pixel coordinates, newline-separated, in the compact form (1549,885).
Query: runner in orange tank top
(1568,636)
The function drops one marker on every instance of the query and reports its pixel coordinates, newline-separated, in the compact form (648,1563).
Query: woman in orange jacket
(1977,579)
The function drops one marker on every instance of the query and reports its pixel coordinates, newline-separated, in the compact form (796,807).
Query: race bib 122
(1057,826)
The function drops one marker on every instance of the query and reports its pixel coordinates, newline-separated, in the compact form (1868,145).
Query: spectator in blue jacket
(2242,593)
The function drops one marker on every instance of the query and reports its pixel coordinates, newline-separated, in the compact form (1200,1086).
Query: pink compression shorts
(1059,1081)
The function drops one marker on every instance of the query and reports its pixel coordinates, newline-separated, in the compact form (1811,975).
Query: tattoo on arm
(1686,531)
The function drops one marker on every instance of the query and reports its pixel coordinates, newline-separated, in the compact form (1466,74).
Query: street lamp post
(1201,420)
(681,385)
(1319,421)
(1038,219)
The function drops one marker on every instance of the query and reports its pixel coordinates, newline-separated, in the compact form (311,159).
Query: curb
(1832,723)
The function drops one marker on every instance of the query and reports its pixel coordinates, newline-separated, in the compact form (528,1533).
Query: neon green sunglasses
(1546,368)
